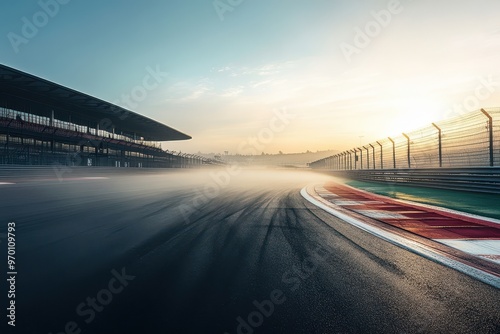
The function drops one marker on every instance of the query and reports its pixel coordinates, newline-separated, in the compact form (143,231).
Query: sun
(415,113)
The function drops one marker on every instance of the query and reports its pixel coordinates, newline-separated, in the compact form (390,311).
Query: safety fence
(467,141)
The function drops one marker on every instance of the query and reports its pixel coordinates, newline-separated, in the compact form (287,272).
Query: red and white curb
(385,218)
(486,249)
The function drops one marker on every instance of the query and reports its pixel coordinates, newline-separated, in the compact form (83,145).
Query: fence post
(490,130)
(381,156)
(373,151)
(361,157)
(440,144)
(354,159)
(367,158)
(393,152)
(408,151)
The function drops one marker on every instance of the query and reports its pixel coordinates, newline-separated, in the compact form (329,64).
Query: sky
(251,76)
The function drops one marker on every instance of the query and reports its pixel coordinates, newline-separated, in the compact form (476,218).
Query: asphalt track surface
(173,252)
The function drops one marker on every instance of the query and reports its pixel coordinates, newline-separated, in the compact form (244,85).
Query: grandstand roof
(22,90)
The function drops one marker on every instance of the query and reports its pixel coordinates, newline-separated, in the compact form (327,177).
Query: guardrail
(485,180)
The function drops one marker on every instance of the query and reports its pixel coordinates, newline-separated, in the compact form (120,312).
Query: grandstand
(43,123)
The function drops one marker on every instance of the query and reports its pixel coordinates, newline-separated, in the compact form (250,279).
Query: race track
(209,252)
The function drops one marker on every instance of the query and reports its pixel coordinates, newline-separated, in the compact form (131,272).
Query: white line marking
(4,183)
(379,214)
(488,249)
(347,202)
(409,245)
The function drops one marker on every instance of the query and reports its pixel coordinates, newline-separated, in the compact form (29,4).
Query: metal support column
(408,149)
(355,159)
(490,130)
(440,147)
(373,151)
(381,156)
(361,157)
(393,153)
(367,158)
